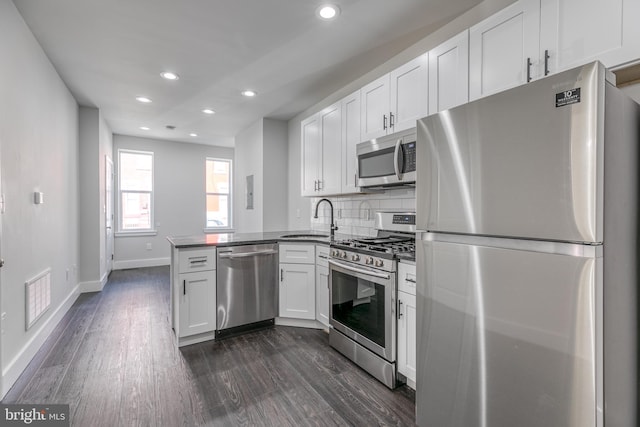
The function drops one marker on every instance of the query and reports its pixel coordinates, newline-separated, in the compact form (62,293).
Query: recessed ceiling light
(169,75)
(143,99)
(328,11)
(144,128)
(208,111)
(193,134)
(248,93)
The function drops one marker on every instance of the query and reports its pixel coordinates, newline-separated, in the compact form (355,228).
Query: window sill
(218,230)
(136,233)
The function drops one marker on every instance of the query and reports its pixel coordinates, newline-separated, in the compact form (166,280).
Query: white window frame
(151,231)
(229,227)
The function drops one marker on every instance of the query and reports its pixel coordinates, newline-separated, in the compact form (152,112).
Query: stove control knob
(335,253)
(355,257)
(344,255)
(379,263)
(369,260)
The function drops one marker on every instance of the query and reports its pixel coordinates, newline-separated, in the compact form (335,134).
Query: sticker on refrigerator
(567,97)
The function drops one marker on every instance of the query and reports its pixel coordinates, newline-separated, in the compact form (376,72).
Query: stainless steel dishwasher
(247,287)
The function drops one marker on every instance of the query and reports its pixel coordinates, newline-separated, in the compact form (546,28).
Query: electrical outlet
(149,246)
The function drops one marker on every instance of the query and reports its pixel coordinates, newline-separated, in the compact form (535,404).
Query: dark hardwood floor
(113,358)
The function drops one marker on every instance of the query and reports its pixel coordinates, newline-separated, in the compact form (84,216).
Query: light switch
(38,197)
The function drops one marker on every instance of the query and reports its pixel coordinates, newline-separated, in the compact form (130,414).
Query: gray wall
(96,142)
(299,212)
(275,190)
(262,151)
(39,152)
(249,156)
(179,197)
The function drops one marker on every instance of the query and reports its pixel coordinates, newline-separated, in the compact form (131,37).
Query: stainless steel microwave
(387,161)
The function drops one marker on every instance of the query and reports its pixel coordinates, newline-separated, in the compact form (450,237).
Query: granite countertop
(232,239)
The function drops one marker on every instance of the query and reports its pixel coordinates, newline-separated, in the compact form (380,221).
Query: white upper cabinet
(310,143)
(375,108)
(350,138)
(574,32)
(534,38)
(395,101)
(330,176)
(321,139)
(449,73)
(408,91)
(501,48)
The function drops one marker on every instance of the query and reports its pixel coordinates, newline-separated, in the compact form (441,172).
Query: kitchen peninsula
(208,295)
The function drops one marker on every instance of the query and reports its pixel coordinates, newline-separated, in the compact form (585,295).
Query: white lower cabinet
(322,285)
(407,322)
(297,281)
(197,303)
(193,294)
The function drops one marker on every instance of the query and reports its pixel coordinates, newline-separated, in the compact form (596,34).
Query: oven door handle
(358,270)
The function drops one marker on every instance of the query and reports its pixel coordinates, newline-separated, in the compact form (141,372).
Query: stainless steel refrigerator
(528,264)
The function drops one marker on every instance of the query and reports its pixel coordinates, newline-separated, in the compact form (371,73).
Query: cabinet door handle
(355,179)
(390,120)
(528,70)
(315,185)
(320,185)
(546,62)
(384,122)
(281,275)
(399,309)
(410,280)
(184,287)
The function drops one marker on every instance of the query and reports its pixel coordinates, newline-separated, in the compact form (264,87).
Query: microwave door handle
(397,167)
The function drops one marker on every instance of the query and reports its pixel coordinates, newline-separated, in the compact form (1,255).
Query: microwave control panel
(409,156)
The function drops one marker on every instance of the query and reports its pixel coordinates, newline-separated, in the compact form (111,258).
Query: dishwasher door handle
(231,255)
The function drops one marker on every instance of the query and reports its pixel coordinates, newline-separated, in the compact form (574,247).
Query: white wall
(249,160)
(299,210)
(179,197)
(39,152)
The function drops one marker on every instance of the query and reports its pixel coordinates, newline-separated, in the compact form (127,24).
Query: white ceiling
(109,52)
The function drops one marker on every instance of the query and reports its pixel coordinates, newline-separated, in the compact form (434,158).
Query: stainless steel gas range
(363,294)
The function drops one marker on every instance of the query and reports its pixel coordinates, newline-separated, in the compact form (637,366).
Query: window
(218,188)
(135,179)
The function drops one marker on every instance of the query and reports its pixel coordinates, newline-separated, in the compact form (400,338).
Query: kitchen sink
(304,236)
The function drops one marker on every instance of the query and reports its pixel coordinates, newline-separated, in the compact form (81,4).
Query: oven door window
(359,305)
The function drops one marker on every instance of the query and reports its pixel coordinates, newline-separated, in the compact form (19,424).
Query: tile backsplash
(353,214)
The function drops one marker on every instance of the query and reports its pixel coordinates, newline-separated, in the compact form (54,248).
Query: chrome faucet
(333,226)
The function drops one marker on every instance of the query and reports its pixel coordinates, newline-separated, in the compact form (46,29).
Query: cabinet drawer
(297,254)
(407,278)
(322,256)
(199,259)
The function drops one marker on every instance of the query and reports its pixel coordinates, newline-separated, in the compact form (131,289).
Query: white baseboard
(93,286)
(13,370)
(299,323)
(138,263)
